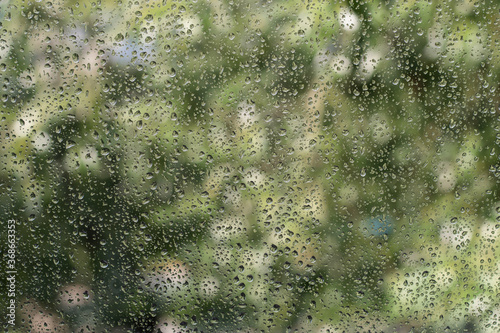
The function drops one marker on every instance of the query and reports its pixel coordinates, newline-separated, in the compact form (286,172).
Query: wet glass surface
(249,166)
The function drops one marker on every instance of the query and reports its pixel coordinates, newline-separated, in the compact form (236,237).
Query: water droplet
(363,172)
(70,144)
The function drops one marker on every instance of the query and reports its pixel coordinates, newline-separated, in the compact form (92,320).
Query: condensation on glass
(250,166)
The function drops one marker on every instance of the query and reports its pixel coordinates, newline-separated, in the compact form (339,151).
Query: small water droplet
(363,172)
(70,144)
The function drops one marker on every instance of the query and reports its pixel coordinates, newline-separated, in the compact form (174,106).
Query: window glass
(250,166)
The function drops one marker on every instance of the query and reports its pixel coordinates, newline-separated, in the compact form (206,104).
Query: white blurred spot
(436,42)
(89,155)
(74,295)
(254,175)
(167,277)
(24,125)
(341,64)
(169,325)
(227,227)
(41,142)
(455,234)
(446,178)
(348,20)
(41,320)
(370,62)
(246,115)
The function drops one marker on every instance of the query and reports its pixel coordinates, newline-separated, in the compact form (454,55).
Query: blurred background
(251,166)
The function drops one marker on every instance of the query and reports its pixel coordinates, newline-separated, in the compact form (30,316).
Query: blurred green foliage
(252,166)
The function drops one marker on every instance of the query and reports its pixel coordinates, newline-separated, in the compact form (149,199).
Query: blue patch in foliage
(380,225)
